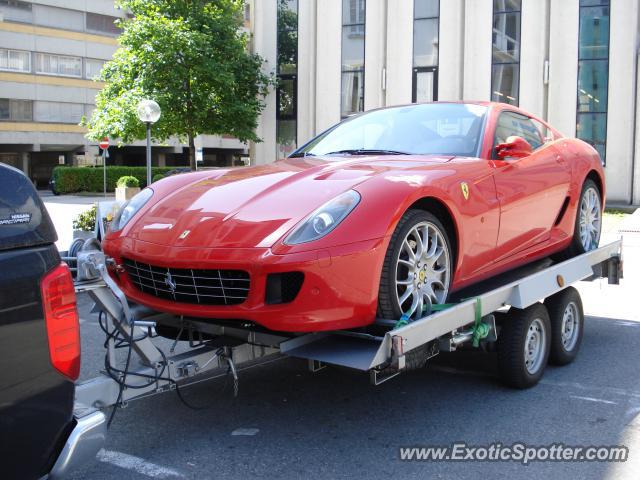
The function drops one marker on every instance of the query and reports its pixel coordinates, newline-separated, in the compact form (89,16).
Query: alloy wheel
(590,219)
(422,270)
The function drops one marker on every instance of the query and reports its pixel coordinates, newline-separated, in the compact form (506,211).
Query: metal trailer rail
(218,349)
(444,326)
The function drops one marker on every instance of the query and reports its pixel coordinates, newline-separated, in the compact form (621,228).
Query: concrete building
(50,50)
(571,62)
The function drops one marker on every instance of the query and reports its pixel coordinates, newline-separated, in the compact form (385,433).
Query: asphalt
(290,423)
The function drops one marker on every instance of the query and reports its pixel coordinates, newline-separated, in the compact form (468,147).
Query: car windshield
(425,129)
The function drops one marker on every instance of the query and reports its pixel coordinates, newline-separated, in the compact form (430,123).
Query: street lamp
(148,113)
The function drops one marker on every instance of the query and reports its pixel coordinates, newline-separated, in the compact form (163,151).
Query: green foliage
(156,177)
(287,38)
(87,179)
(128,181)
(191,57)
(86,220)
(287,65)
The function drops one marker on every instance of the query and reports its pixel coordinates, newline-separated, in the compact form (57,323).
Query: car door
(531,190)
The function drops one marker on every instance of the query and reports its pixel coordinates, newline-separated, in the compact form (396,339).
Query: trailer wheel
(567,322)
(523,346)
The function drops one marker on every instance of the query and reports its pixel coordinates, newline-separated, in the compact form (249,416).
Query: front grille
(204,287)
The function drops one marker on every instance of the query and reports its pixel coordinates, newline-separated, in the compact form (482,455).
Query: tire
(577,247)
(396,260)
(517,328)
(567,325)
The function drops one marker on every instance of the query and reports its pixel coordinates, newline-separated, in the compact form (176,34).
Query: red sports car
(386,213)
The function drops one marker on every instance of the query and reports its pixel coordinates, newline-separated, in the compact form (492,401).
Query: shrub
(86,220)
(89,179)
(156,177)
(128,181)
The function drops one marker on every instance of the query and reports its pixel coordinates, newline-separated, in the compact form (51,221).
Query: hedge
(89,179)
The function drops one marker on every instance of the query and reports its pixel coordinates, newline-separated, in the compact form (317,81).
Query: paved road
(334,424)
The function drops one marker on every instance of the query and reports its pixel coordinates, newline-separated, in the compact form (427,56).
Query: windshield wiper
(301,155)
(365,151)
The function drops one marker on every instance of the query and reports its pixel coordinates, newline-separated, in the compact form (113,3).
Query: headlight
(324,219)
(129,209)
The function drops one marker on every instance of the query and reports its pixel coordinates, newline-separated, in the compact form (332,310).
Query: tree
(191,57)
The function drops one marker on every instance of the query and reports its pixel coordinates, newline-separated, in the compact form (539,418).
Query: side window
(511,123)
(545,133)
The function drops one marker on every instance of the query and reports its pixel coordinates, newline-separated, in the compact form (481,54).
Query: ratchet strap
(406,320)
(479,329)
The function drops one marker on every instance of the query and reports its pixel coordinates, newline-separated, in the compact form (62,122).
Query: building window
(59,18)
(425,50)
(16,110)
(16,11)
(58,112)
(15,60)
(58,65)
(353,34)
(593,74)
(505,59)
(287,92)
(92,68)
(102,23)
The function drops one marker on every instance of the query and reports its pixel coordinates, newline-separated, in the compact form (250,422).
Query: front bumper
(339,291)
(87,437)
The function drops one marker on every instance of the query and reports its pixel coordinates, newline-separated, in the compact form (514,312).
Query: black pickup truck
(39,344)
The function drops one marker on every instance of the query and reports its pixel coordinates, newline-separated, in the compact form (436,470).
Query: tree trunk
(192,152)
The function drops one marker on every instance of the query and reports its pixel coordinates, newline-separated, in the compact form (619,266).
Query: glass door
(425,84)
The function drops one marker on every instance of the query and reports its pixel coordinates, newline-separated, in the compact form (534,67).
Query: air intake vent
(204,287)
(283,287)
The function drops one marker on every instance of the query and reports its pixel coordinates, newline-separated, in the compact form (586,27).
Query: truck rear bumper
(85,440)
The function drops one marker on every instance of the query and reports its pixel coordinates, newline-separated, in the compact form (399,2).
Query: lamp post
(148,113)
(104,144)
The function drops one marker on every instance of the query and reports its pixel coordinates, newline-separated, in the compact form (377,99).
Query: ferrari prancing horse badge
(465,190)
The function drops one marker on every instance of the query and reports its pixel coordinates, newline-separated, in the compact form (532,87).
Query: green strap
(480,329)
(442,306)
(405,319)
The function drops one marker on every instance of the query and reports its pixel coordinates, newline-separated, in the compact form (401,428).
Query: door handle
(559,159)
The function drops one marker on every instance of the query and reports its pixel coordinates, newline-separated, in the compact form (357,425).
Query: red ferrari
(386,213)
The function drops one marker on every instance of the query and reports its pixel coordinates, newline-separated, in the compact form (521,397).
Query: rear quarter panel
(584,161)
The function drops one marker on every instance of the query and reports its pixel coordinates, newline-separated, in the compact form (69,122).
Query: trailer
(529,316)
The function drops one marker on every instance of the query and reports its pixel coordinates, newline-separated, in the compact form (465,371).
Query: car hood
(256,206)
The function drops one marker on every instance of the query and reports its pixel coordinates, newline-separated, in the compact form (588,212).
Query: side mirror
(513,147)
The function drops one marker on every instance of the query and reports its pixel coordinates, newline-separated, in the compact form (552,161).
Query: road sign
(104,143)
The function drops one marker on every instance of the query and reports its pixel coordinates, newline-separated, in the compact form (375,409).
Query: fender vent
(563,210)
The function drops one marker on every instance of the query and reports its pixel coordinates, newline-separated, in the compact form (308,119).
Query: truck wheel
(567,322)
(523,346)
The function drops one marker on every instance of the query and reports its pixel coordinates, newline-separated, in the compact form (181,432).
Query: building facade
(50,53)
(573,63)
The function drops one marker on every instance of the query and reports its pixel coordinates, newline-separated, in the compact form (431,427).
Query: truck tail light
(61,318)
